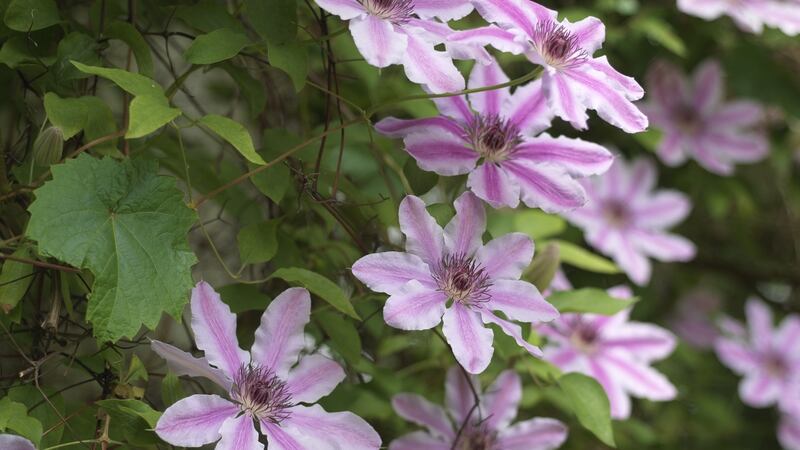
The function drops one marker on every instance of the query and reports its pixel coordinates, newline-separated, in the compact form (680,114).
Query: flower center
(616,213)
(476,438)
(584,337)
(776,365)
(687,118)
(261,393)
(462,279)
(395,11)
(557,45)
(494,138)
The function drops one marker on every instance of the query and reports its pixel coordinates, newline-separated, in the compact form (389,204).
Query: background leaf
(235,134)
(216,46)
(318,285)
(590,405)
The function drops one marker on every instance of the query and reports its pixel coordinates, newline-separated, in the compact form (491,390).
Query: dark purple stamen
(557,45)
(395,11)
(462,279)
(261,393)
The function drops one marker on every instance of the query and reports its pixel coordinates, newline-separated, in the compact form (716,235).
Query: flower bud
(544,267)
(48,146)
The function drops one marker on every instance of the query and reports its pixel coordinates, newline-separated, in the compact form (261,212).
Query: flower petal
(667,86)
(418,440)
(520,301)
(424,237)
(528,110)
(315,377)
(506,256)
(331,430)
(470,341)
(589,34)
(519,14)
(493,185)
(637,378)
(195,420)
(378,41)
(632,262)
(629,86)
(672,150)
(548,188)
(640,180)
(389,271)
(501,400)
(760,390)
(663,246)
(513,330)
(489,103)
(533,434)
(565,98)
(501,39)
(429,67)
(214,327)
(576,156)
(12,442)
(459,396)
(609,101)
(736,147)
(457,108)
(618,399)
(399,128)
(415,307)
(238,433)
(736,356)
(707,86)
(441,152)
(789,432)
(420,411)
(662,210)
(740,113)
(759,323)
(443,9)
(787,337)
(180,363)
(279,439)
(463,235)
(279,337)
(643,341)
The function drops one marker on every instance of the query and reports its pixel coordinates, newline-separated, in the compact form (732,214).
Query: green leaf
(344,336)
(128,34)
(318,285)
(31,15)
(49,415)
(258,242)
(579,257)
(148,113)
(171,390)
(544,267)
(216,46)
(589,300)
(661,32)
(130,82)
(99,122)
(75,47)
(538,224)
(273,20)
(235,134)
(590,404)
(275,181)
(420,180)
(131,408)
(292,58)
(14,417)
(68,114)
(15,278)
(127,225)
(251,89)
(243,297)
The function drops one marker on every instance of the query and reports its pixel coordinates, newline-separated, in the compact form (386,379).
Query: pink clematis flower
(14,442)
(486,427)
(573,79)
(767,358)
(403,32)
(749,15)
(262,384)
(614,351)
(453,265)
(626,220)
(498,134)
(789,432)
(697,122)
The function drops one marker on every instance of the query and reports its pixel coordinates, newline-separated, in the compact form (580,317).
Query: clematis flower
(486,427)
(264,385)
(697,122)
(573,79)
(614,351)
(404,32)
(693,321)
(626,220)
(449,276)
(749,15)
(768,358)
(789,432)
(492,136)
(14,442)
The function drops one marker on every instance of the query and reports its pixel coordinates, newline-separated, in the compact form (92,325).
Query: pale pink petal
(565,98)
(429,67)
(672,150)
(760,390)
(667,86)
(501,400)
(589,34)
(443,9)
(759,323)
(415,307)
(527,109)
(640,180)
(493,185)
(315,377)
(708,156)
(519,14)
(419,440)
(378,41)
(238,433)
(520,301)
(741,113)
(629,86)
(279,439)
(457,108)
(533,434)
(195,420)
(331,430)
(614,183)
(345,9)
(463,235)
(706,9)
(420,411)
(424,237)
(389,271)
(470,341)
(488,103)
(663,209)
(789,432)
(708,86)
(12,442)
(632,262)
(506,256)
(643,341)
(545,187)
(513,330)
(609,102)
(783,15)
(399,128)
(214,327)
(459,397)
(441,152)
(618,399)
(440,33)
(565,358)
(736,356)
(503,40)
(638,378)
(787,336)
(180,363)
(279,337)
(735,147)
(663,246)
(576,156)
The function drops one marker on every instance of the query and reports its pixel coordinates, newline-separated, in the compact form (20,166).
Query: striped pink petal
(214,327)
(279,337)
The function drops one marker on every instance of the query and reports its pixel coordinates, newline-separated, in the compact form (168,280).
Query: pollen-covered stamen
(493,137)
(476,437)
(462,279)
(261,393)
(395,11)
(557,45)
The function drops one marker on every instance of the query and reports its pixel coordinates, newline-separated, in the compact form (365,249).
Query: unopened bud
(48,146)
(544,267)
